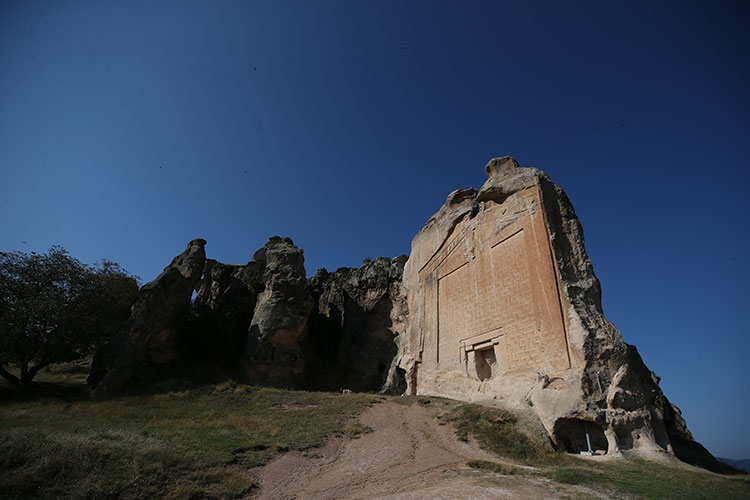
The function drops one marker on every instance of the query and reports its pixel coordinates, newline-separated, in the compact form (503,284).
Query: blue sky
(129,128)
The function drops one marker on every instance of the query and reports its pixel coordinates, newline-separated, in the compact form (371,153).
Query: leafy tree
(53,308)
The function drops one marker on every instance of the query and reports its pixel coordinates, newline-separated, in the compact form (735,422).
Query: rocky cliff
(272,354)
(358,317)
(505,309)
(263,322)
(154,333)
(497,303)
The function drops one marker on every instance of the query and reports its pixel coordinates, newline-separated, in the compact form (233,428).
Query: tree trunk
(24,372)
(9,376)
(32,371)
(25,378)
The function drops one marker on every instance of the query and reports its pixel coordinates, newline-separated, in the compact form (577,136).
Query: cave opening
(575,435)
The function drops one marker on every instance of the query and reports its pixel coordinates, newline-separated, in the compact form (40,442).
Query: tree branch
(34,370)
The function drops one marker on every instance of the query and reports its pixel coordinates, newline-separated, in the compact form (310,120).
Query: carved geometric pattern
(492,285)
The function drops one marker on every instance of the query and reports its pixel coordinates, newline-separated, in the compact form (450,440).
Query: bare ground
(408,455)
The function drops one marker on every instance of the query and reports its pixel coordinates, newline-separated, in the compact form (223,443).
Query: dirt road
(407,456)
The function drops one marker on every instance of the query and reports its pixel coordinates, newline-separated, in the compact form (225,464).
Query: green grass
(496,430)
(195,443)
(203,442)
(653,480)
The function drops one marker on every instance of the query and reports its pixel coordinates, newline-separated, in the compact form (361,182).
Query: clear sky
(129,128)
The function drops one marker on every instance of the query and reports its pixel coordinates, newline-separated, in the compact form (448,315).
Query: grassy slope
(496,431)
(201,443)
(193,443)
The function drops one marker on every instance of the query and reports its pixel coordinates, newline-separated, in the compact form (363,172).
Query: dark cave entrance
(575,435)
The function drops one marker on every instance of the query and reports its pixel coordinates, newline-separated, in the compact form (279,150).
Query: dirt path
(408,456)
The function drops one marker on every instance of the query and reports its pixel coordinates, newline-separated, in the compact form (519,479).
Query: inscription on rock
(492,304)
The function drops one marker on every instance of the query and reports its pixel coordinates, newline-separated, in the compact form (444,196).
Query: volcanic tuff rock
(505,309)
(358,318)
(262,322)
(272,352)
(224,307)
(152,336)
(497,303)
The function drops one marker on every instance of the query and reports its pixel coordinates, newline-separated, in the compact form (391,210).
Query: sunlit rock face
(505,308)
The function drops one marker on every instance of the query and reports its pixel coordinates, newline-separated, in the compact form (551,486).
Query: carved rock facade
(505,308)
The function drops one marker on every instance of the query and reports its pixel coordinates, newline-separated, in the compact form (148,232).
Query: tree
(54,309)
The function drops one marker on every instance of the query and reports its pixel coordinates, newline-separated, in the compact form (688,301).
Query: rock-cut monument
(505,308)
(497,303)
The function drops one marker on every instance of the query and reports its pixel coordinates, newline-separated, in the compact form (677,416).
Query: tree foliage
(53,308)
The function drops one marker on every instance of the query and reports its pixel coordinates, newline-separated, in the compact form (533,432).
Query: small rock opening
(624,437)
(397,386)
(575,435)
(486,363)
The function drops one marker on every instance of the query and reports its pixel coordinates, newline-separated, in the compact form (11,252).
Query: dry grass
(499,468)
(654,481)
(200,442)
(196,443)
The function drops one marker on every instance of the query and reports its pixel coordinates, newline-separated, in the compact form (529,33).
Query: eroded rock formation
(223,309)
(505,308)
(153,335)
(263,322)
(359,316)
(272,354)
(497,303)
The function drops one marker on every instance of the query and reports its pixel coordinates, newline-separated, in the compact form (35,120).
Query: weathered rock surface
(358,317)
(153,335)
(263,322)
(223,309)
(273,355)
(497,303)
(505,309)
